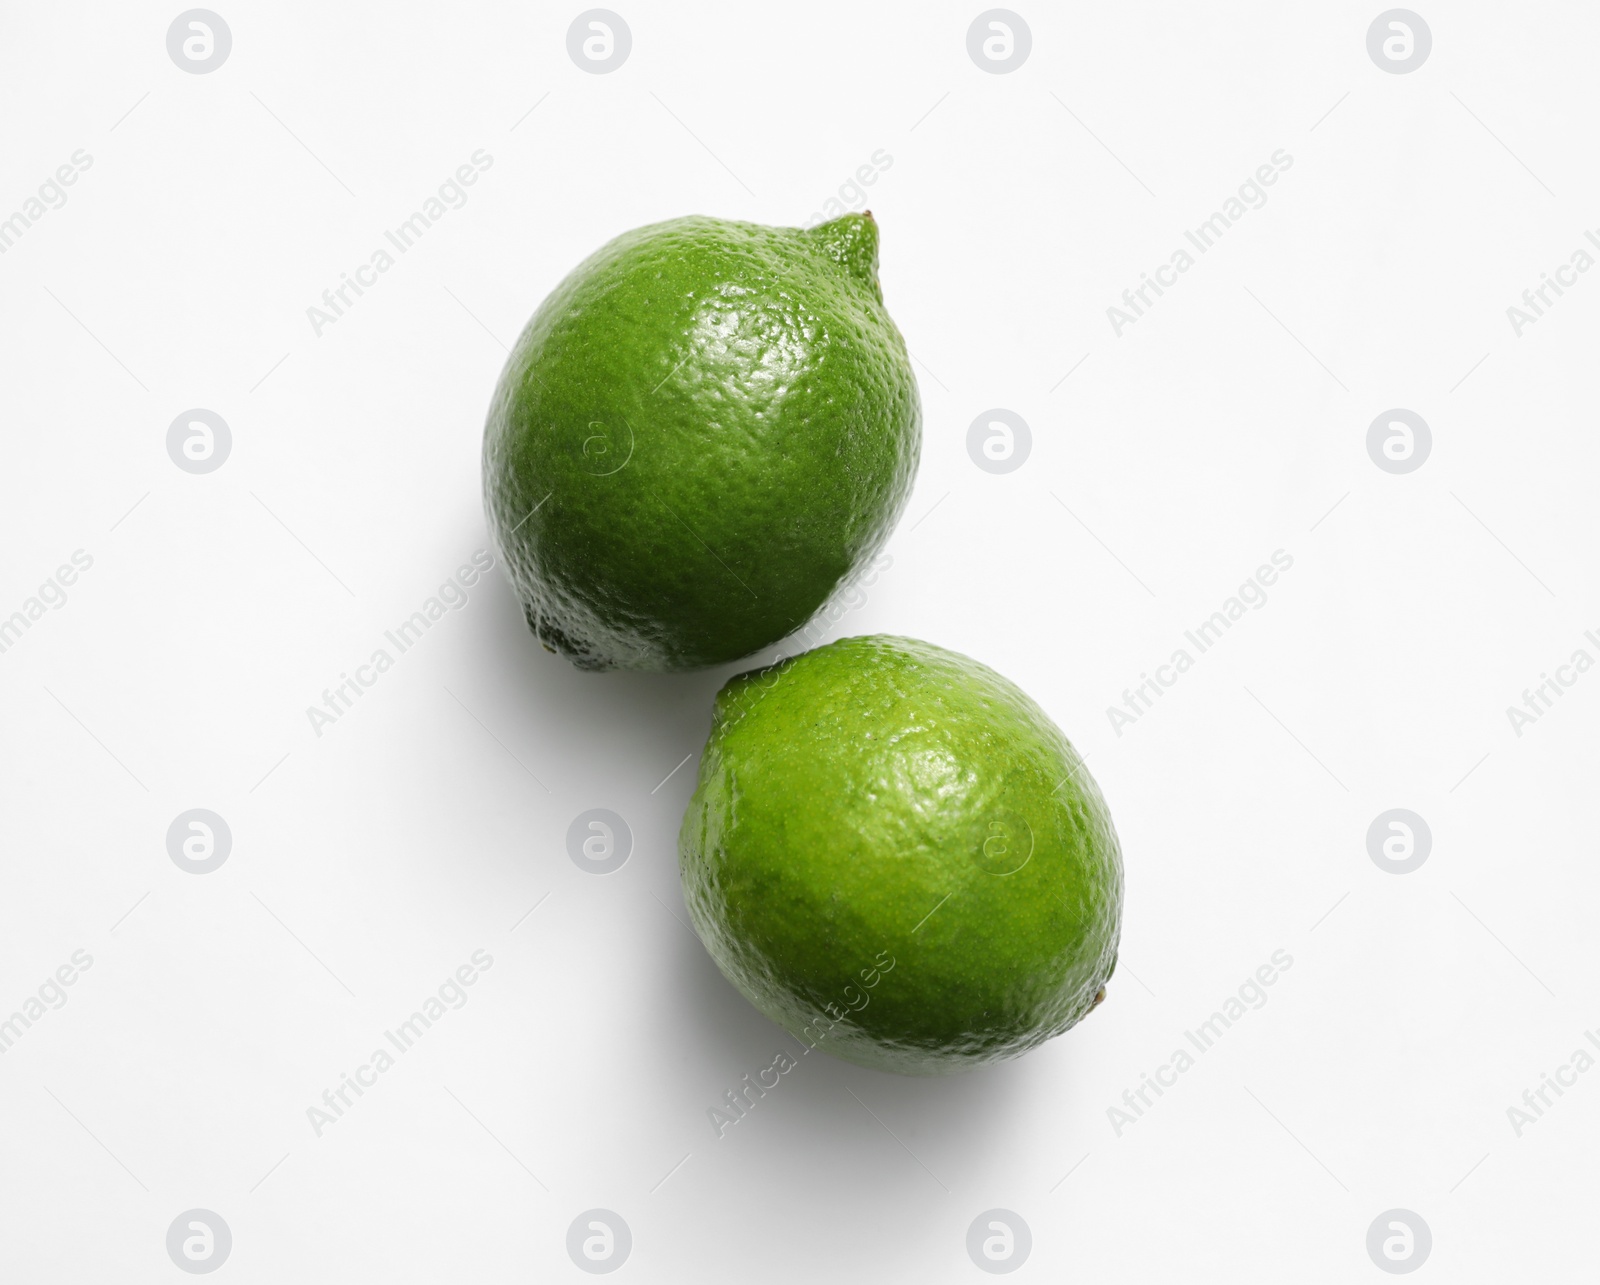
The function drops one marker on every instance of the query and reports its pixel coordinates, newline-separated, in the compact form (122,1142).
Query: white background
(369,862)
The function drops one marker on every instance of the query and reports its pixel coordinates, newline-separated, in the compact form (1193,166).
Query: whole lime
(702,432)
(896,855)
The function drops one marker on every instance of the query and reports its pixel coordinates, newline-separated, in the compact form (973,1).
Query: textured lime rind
(703,431)
(883,799)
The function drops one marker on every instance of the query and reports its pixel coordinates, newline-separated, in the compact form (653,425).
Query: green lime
(896,855)
(700,435)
